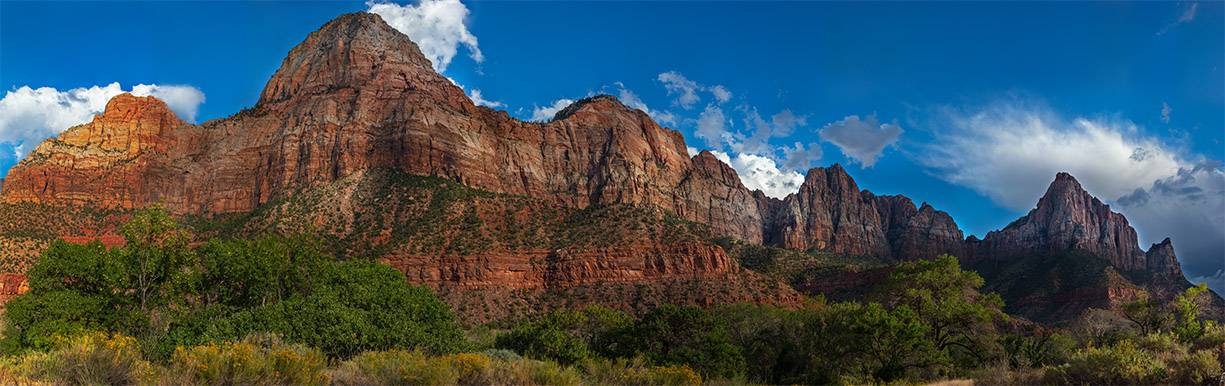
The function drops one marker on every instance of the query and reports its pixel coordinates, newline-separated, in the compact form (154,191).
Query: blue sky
(971,107)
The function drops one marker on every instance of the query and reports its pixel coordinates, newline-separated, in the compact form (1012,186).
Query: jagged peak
(1164,244)
(832,174)
(1064,184)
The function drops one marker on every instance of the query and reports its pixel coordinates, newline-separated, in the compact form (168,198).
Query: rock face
(358,96)
(1071,253)
(115,160)
(1069,219)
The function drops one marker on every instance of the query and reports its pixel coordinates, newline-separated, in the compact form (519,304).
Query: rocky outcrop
(1162,263)
(358,96)
(830,213)
(116,160)
(1069,219)
(918,233)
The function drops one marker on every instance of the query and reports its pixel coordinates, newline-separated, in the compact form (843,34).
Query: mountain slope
(356,102)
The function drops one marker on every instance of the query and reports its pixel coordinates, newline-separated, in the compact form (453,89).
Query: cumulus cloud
(861,139)
(629,98)
(757,141)
(1165,112)
(438,27)
(762,173)
(30,115)
(720,93)
(1190,207)
(712,126)
(1010,151)
(475,96)
(687,91)
(546,113)
(800,156)
(182,99)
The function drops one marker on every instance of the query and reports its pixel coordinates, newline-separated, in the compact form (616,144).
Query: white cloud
(183,100)
(1165,112)
(800,156)
(712,126)
(30,115)
(862,140)
(1010,152)
(762,173)
(780,125)
(475,96)
(632,100)
(686,91)
(1187,16)
(1188,206)
(546,113)
(438,27)
(721,94)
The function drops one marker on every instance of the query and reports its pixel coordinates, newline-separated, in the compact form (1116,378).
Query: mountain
(1072,252)
(357,137)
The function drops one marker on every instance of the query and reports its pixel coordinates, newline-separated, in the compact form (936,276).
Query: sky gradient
(971,107)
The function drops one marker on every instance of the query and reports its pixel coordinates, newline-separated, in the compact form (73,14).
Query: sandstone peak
(128,108)
(597,103)
(1067,218)
(355,52)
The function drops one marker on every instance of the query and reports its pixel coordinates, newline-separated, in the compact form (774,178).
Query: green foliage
(959,320)
(1040,349)
(90,359)
(566,336)
(1122,363)
(168,295)
(772,339)
(1186,306)
(854,340)
(399,367)
(675,335)
(1146,314)
(256,360)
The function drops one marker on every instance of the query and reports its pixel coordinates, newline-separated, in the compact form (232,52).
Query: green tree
(960,320)
(156,250)
(680,335)
(1145,314)
(853,341)
(1186,307)
(566,336)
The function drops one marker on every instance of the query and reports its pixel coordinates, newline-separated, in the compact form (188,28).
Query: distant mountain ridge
(358,96)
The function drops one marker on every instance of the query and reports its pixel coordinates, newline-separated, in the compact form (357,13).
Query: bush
(259,359)
(400,367)
(1198,368)
(90,359)
(635,372)
(395,367)
(1122,363)
(673,335)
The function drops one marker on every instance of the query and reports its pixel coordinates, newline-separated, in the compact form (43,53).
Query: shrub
(395,367)
(1122,363)
(259,359)
(93,358)
(1198,368)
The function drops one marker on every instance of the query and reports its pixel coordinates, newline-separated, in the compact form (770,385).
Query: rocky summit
(356,116)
